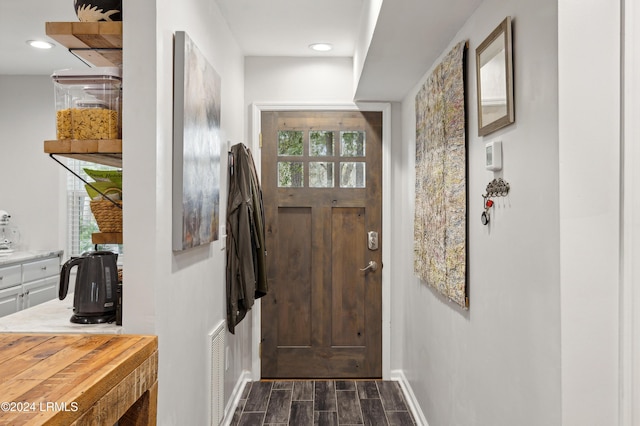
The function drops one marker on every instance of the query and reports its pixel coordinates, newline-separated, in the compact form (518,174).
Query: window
(295,162)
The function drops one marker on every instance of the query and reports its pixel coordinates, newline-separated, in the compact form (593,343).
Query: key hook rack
(497,188)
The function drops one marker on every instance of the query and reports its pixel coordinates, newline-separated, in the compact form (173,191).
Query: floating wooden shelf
(96,43)
(107,238)
(101,151)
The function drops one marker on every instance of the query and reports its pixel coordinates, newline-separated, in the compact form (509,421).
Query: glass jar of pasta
(88,103)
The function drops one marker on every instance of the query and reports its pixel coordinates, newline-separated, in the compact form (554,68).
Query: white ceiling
(408,38)
(409,35)
(22,20)
(288,27)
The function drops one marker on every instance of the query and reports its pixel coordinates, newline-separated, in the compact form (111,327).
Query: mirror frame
(504,29)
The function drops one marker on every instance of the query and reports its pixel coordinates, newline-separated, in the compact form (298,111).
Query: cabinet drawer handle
(1,277)
(44,268)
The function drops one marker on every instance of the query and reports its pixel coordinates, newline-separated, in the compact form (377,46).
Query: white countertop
(22,256)
(52,317)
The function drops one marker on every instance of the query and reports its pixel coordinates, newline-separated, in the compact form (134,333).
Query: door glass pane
(321,175)
(352,175)
(289,142)
(352,144)
(320,143)
(290,174)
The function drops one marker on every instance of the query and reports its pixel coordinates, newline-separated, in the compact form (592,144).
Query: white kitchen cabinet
(10,289)
(40,291)
(28,280)
(10,276)
(38,269)
(10,300)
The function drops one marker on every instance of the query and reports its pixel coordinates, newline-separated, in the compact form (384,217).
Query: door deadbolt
(372,240)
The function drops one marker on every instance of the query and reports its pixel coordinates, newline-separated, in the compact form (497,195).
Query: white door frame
(385,108)
(629,369)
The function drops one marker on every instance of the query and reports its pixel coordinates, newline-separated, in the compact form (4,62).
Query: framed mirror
(494,76)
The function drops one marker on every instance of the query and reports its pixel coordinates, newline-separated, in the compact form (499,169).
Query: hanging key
(485,217)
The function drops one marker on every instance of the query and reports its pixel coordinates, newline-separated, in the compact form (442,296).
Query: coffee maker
(95,294)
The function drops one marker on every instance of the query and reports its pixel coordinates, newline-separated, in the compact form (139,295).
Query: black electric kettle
(94,298)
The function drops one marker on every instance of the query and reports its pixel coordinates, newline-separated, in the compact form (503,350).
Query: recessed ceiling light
(321,47)
(40,44)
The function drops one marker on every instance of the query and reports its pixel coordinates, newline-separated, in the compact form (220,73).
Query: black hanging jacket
(246,251)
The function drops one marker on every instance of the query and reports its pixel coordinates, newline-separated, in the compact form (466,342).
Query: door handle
(371,266)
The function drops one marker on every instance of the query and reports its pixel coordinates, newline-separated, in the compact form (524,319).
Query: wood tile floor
(322,402)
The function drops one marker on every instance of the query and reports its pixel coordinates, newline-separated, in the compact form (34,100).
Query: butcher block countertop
(78,379)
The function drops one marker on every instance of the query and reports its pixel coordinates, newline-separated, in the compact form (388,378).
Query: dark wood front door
(322,187)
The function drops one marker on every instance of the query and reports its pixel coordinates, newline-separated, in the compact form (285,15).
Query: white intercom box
(493,156)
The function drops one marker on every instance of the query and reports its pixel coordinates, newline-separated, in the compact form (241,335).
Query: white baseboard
(230,409)
(414,406)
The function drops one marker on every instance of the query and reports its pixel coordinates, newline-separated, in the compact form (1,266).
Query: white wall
(397,233)
(31,184)
(178,296)
(499,362)
(371,11)
(589,108)
(298,79)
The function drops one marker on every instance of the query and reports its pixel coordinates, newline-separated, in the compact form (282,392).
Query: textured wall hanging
(440,235)
(196,146)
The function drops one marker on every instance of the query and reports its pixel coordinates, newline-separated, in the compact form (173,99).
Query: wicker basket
(108,216)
